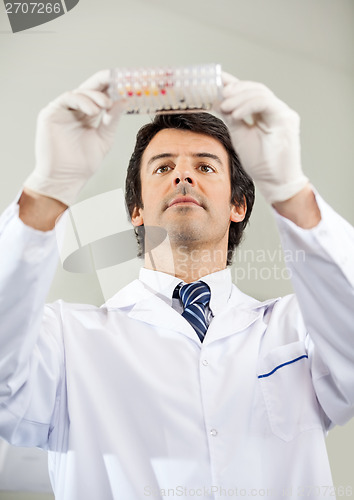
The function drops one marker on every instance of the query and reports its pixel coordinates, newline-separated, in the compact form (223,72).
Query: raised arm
(266,135)
(74,132)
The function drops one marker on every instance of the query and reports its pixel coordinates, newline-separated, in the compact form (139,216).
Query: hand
(265,133)
(74,133)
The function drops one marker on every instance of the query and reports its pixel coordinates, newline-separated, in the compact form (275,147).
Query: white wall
(301,49)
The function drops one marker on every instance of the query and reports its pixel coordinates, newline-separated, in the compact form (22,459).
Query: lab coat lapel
(240,312)
(231,321)
(154,311)
(143,305)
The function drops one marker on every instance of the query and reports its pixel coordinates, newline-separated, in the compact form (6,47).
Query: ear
(137,217)
(238,212)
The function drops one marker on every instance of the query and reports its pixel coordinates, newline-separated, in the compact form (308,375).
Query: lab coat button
(205,362)
(213,432)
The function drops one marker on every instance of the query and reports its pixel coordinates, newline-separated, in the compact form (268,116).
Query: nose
(183,174)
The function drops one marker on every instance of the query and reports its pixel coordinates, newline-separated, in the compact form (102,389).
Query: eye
(206,169)
(162,169)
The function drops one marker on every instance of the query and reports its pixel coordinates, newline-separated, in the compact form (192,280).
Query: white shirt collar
(163,284)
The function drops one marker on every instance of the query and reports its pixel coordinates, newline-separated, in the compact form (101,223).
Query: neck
(186,263)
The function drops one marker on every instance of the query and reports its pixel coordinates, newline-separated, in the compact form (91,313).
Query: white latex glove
(74,133)
(265,133)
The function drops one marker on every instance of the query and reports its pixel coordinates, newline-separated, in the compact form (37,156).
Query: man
(180,385)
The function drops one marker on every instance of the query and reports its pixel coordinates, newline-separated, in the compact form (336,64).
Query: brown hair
(242,187)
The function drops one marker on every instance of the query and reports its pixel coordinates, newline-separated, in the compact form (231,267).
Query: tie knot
(195,293)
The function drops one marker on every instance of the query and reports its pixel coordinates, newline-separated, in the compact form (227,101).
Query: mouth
(184,201)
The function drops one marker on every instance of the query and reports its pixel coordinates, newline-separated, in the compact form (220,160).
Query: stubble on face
(184,229)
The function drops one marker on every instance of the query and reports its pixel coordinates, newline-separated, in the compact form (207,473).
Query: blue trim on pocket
(284,364)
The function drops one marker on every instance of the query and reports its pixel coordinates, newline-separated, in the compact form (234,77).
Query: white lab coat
(130,404)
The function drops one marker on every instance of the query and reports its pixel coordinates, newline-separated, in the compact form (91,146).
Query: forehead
(184,143)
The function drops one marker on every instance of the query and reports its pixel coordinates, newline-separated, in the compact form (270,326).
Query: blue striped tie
(195,297)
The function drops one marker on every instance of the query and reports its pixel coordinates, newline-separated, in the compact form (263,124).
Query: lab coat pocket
(285,378)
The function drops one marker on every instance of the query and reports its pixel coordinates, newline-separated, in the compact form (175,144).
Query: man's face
(185,182)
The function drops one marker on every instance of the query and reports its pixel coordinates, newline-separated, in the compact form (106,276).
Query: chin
(187,233)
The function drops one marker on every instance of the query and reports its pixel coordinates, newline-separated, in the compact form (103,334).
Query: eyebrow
(195,155)
(158,157)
